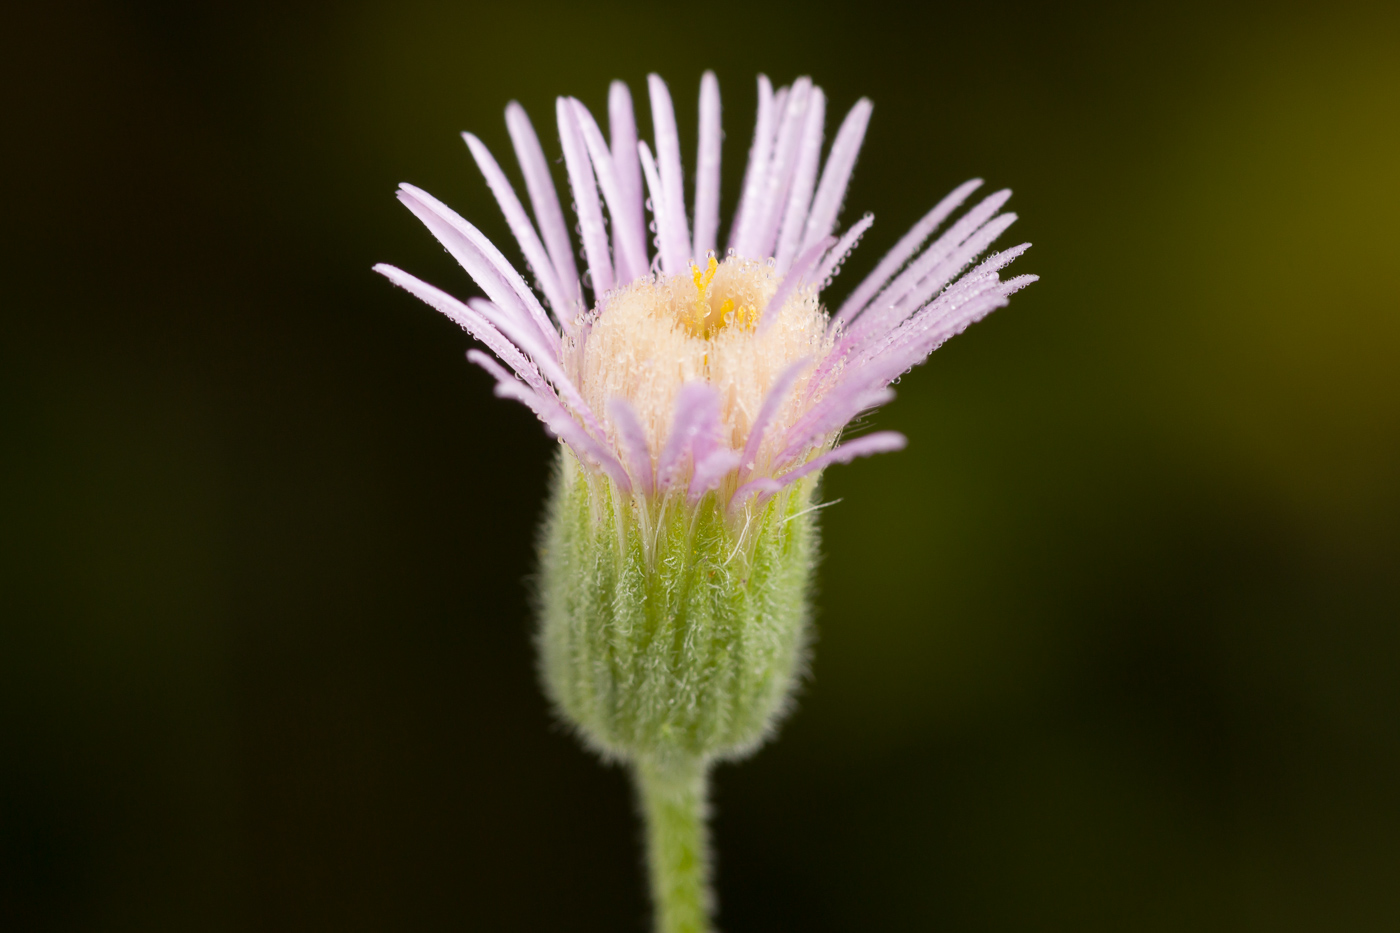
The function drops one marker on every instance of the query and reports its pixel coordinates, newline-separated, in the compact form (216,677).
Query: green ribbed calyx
(672,633)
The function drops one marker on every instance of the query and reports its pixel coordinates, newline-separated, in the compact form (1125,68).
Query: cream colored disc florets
(652,336)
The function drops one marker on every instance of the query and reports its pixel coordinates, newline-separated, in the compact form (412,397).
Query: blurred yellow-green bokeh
(1113,645)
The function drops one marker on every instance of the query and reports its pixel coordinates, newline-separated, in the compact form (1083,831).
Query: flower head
(686,374)
(698,399)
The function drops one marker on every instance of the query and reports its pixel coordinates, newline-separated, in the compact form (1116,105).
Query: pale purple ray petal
(772,402)
(632,438)
(875,362)
(763,486)
(629,242)
(947,241)
(878,443)
(585,190)
(762,231)
(543,198)
(483,262)
(780,102)
(556,419)
(696,402)
(830,415)
(551,369)
(710,471)
(906,247)
(891,303)
(522,228)
(794,280)
(622,130)
(673,262)
(707,170)
(711,456)
(949,325)
(760,153)
(936,272)
(675,237)
(832,263)
(948,268)
(972,298)
(836,176)
(468,319)
(976,282)
(519,334)
(949,315)
(804,179)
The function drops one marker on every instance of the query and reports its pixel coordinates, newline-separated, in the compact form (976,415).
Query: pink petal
(585,190)
(521,227)
(623,136)
(830,415)
(906,247)
(675,238)
(696,403)
(710,471)
(763,231)
(837,173)
(632,439)
(804,179)
(832,263)
(755,173)
(467,319)
(792,281)
(629,241)
(878,443)
(481,259)
(934,273)
(950,240)
(559,422)
(707,171)
(543,198)
(772,403)
(672,262)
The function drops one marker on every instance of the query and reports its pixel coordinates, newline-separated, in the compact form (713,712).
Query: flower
(697,399)
(687,375)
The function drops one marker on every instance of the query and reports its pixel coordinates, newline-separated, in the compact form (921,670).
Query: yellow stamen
(702,305)
(725,310)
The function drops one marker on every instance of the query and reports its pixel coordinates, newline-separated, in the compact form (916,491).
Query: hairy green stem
(673,802)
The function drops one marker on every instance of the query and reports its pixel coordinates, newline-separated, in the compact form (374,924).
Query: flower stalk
(672,794)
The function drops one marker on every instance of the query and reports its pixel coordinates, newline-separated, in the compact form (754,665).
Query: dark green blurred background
(1112,646)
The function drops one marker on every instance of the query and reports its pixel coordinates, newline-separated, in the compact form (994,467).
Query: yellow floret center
(703,319)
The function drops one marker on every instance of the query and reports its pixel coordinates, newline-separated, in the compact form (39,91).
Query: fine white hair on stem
(707,169)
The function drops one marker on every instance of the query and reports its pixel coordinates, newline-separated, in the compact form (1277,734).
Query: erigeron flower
(698,396)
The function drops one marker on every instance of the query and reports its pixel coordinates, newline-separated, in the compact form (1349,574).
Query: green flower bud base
(671,637)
